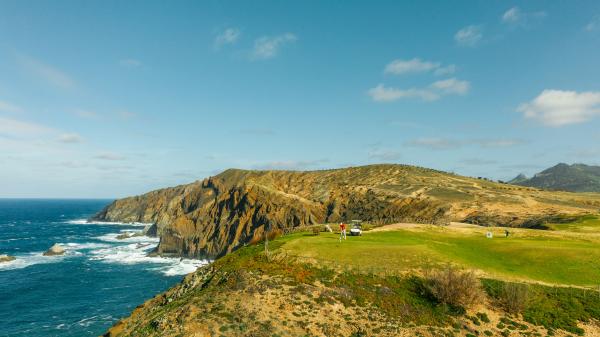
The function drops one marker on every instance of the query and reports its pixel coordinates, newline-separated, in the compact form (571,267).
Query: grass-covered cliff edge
(397,280)
(215,216)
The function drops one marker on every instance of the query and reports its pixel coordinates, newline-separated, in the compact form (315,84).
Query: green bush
(552,307)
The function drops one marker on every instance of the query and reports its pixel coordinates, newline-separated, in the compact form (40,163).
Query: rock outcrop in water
(212,217)
(6,258)
(56,249)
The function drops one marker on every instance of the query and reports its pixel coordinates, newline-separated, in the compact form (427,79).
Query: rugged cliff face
(212,217)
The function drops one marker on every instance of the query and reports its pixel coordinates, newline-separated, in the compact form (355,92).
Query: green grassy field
(530,255)
(586,224)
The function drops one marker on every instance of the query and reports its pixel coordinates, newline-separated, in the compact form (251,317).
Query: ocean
(99,280)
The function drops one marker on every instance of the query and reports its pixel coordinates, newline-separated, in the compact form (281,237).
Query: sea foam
(30,259)
(136,251)
(94,222)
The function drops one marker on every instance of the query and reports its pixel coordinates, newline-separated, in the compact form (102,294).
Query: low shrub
(454,287)
(513,297)
(316,230)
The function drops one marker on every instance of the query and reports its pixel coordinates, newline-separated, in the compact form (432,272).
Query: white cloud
(558,108)
(49,74)
(229,36)
(86,114)
(478,161)
(70,138)
(15,128)
(109,156)
(416,65)
(268,47)
(9,107)
(447,70)
(295,165)
(469,36)
(593,25)
(437,89)
(446,144)
(124,114)
(490,143)
(380,93)
(385,154)
(435,143)
(515,16)
(452,86)
(512,15)
(132,63)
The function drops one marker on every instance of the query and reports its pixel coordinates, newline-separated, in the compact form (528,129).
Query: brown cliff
(217,215)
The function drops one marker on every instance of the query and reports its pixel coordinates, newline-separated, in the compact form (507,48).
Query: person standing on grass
(342,231)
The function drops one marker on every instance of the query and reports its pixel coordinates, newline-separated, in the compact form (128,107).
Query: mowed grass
(532,255)
(585,224)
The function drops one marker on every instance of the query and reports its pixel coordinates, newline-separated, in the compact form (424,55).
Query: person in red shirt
(342,231)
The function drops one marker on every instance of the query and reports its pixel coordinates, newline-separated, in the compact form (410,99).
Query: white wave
(184,266)
(94,222)
(23,261)
(83,246)
(112,237)
(135,253)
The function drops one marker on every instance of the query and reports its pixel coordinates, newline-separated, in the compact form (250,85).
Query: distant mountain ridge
(564,177)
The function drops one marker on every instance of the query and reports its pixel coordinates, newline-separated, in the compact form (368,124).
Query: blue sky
(115,98)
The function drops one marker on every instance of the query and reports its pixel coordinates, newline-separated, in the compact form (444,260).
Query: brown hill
(212,217)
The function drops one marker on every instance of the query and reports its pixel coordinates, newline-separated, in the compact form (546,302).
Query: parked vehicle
(356,229)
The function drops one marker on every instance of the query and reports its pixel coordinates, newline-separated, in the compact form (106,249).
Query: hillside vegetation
(380,284)
(215,216)
(563,177)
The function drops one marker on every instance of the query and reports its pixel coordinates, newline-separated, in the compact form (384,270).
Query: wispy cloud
(268,47)
(557,108)
(110,156)
(385,154)
(295,165)
(70,138)
(491,143)
(22,129)
(469,36)
(46,72)
(83,113)
(437,89)
(131,63)
(452,86)
(126,115)
(258,131)
(434,143)
(516,17)
(9,107)
(381,93)
(447,70)
(512,15)
(478,161)
(228,36)
(593,25)
(416,65)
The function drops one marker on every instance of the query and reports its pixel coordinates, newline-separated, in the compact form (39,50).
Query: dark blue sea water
(99,280)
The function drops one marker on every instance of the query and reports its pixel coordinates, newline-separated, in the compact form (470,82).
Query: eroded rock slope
(212,217)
